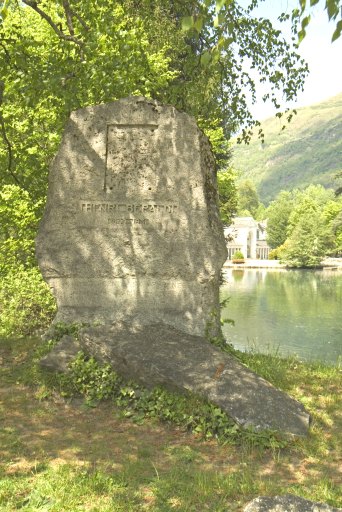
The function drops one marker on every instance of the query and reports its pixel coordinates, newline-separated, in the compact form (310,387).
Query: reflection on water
(292,312)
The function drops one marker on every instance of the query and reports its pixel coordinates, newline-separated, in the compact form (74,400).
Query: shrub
(19,221)
(273,255)
(238,256)
(26,303)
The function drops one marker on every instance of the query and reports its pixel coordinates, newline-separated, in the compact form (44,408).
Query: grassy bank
(58,454)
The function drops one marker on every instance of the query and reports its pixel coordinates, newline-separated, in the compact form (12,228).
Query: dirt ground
(37,430)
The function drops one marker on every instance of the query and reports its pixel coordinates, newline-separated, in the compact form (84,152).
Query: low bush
(238,256)
(99,382)
(26,303)
(18,227)
(273,254)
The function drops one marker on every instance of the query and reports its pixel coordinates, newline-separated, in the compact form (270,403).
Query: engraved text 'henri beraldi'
(122,208)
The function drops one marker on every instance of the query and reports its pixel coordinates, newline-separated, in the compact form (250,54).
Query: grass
(57,454)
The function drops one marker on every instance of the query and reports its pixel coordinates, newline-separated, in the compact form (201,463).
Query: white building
(248,236)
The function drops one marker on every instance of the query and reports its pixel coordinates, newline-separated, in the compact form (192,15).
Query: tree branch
(68,16)
(33,4)
(80,20)
(5,138)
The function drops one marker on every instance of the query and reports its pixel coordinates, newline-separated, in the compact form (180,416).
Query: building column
(253,244)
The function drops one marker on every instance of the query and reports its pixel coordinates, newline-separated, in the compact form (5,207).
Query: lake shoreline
(327,264)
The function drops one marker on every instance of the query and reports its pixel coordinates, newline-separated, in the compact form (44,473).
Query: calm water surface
(291,312)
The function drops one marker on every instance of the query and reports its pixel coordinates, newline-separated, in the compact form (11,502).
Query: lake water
(291,312)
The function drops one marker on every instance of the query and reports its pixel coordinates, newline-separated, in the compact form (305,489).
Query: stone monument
(131,230)
(131,240)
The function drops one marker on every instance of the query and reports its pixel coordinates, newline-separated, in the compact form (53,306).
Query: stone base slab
(159,355)
(287,503)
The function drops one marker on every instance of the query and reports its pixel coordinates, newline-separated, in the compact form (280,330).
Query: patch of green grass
(66,457)
(69,489)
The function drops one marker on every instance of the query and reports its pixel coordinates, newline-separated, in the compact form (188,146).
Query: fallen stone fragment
(287,503)
(159,355)
(62,355)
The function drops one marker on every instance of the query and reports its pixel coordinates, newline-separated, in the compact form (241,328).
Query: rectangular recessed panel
(131,158)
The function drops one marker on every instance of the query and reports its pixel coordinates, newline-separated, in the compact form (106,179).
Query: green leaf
(337,31)
(302,4)
(230,27)
(187,23)
(305,22)
(216,54)
(219,5)
(302,33)
(218,20)
(332,8)
(313,2)
(205,58)
(221,42)
(198,24)
(3,12)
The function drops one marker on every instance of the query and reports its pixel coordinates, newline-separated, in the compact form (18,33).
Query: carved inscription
(162,216)
(131,158)
(121,208)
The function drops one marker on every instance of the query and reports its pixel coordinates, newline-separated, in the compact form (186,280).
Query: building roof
(244,222)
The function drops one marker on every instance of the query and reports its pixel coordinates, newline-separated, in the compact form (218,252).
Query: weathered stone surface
(160,355)
(60,357)
(131,236)
(131,229)
(287,503)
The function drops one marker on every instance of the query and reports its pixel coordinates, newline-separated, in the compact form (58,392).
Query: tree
(310,235)
(310,240)
(60,56)
(333,215)
(314,197)
(248,200)
(245,45)
(260,213)
(215,17)
(227,195)
(338,178)
(53,64)
(278,214)
(26,303)
(19,220)
(337,230)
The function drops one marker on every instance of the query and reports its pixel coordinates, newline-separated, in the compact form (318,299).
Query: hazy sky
(323,57)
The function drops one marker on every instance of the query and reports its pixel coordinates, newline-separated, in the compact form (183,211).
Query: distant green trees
(278,214)
(248,199)
(227,195)
(304,226)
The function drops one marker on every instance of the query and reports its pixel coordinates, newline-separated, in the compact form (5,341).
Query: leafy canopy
(200,56)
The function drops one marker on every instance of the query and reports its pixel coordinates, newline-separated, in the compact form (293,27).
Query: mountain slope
(308,151)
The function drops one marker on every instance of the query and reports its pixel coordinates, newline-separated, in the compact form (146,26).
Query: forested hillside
(308,151)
